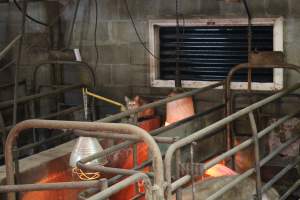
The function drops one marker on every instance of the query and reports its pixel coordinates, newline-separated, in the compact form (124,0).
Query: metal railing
(208,131)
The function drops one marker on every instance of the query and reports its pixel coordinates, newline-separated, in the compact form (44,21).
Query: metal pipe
(10,46)
(248,142)
(5,104)
(228,109)
(70,34)
(88,126)
(230,185)
(109,170)
(290,191)
(278,176)
(108,135)
(49,186)
(180,182)
(208,130)
(257,155)
(248,173)
(18,62)
(62,62)
(123,184)
(153,133)
(159,103)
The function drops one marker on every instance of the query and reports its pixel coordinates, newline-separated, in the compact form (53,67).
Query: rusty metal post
(257,156)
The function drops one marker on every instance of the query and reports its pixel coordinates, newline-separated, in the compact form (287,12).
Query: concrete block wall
(123,66)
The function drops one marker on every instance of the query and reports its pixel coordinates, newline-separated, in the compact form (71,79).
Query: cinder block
(277,7)
(232,9)
(103,75)
(139,75)
(123,32)
(209,8)
(138,54)
(121,75)
(294,8)
(167,7)
(114,54)
(139,9)
(109,9)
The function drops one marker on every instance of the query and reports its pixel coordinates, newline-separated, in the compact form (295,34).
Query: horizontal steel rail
(78,63)
(215,126)
(9,103)
(125,183)
(87,126)
(251,171)
(50,186)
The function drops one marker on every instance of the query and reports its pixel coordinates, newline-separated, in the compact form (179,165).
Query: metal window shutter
(208,53)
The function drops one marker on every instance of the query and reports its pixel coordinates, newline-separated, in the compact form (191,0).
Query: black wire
(137,33)
(95,33)
(28,16)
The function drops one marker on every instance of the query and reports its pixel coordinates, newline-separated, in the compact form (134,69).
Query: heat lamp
(84,147)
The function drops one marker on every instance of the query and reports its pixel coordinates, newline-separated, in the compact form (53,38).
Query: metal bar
(153,133)
(159,103)
(230,185)
(10,46)
(180,182)
(257,156)
(109,170)
(70,34)
(278,176)
(88,126)
(123,184)
(192,171)
(177,168)
(208,130)
(108,135)
(49,186)
(248,142)
(290,191)
(9,103)
(248,173)
(8,85)
(67,63)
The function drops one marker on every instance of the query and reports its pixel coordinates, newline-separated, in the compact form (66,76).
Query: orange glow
(219,170)
(85,176)
(179,109)
(56,194)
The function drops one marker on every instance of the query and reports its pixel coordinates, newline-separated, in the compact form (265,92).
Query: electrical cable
(30,17)
(137,33)
(95,33)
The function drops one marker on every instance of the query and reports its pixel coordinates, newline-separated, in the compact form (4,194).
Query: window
(209,48)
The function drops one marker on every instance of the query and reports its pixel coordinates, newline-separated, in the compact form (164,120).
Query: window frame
(277,23)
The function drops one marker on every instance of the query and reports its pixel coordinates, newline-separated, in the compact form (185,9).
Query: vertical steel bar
(257,156)
(70,34)
(177,168)
(193,170)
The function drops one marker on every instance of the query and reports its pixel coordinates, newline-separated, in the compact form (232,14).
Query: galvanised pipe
(50,186)
(10,46)
(248,173)
(208,130)
(9,103)
(159,103)
(109,170)
(153,133)
(248,142)
(124,183)
(109,135)
(180,182)
(278,176)
(60,62)
(228,109)
(290,191)
(87,126)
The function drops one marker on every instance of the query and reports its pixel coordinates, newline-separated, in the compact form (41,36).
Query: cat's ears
(127,100)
